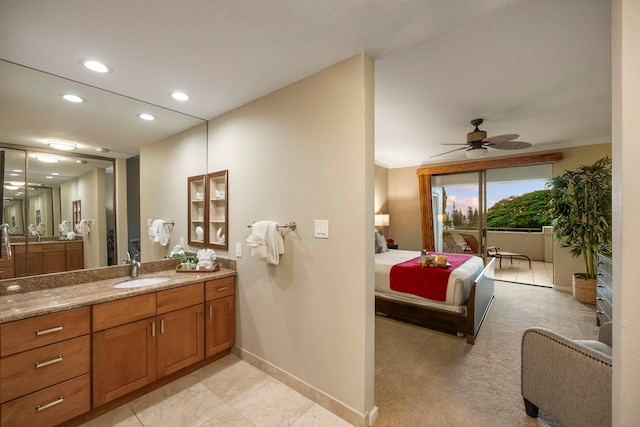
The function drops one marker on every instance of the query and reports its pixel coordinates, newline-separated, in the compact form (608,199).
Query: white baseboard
(373,415)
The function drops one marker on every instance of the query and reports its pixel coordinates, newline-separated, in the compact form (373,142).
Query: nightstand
(392,245)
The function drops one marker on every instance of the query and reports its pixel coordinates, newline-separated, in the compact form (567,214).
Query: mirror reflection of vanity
(72,204)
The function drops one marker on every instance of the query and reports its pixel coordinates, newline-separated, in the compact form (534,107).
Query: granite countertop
(17,304)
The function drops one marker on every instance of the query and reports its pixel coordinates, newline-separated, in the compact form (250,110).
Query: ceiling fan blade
(456,144)
(447,152)
(509,145)
(501,138)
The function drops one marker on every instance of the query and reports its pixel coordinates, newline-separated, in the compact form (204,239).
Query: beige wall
(164,168)
(380,201)
(626,205)
(302,153)
(90,190)
(299,154)
(404,209)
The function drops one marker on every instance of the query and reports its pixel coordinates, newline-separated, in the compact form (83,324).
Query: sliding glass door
(503,207)
(459,212)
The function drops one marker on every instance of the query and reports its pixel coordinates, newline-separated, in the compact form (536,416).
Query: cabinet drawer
(42,367)
(120,312)
(177,298)
(219,288)
(73,246)
(53,247)
(604,308)
(50,406)
(31,333)
(22,249)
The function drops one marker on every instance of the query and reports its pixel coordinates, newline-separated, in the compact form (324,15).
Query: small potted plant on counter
(580,206)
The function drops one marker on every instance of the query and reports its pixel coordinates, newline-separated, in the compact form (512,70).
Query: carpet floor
(428,378)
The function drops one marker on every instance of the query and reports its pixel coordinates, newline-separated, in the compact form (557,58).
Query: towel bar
(292,225)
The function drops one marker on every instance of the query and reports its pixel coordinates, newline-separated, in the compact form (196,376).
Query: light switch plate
(321,229)
(239,250)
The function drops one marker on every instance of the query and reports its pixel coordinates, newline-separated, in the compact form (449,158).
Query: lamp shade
(381,220)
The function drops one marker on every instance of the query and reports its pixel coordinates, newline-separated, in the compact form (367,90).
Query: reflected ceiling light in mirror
(11,187)
(179,96)
(73,98)
(146,116)
(96,66)
(61,145)
(46,158)
(102,150)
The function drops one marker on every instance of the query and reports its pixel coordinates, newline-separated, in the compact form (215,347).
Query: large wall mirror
(47,192)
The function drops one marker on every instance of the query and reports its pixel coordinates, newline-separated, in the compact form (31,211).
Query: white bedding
(458,288)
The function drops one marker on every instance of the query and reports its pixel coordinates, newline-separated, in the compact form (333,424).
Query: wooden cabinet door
(53,262)
(74,256)
(124,359)
(180,339)
(35,264)
(220,325)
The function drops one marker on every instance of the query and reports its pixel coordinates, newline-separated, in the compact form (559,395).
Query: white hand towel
(275,244)
(257,240)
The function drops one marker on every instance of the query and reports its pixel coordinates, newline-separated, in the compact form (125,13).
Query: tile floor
(228,392)
(540,273)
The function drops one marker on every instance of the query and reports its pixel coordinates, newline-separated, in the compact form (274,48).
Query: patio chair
(473,247)
(495,251)
(452,246)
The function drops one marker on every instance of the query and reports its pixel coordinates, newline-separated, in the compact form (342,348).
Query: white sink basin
(144,281)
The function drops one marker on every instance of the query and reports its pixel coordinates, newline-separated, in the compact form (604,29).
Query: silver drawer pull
(50,404)
(210,311)
(49,331)
(223,288)
(153,329)
(161,326)
(50,362)
(600,299)
(599,312)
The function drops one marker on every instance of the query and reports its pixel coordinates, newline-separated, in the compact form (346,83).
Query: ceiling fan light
(477,153)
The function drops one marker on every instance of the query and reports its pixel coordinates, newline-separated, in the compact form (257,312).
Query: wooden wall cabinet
(220,312)
(208,214)
(44,369)
(196,213)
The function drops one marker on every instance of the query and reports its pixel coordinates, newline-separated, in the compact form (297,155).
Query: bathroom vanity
(71,351)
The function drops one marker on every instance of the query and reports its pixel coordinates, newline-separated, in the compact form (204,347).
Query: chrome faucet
(135,267)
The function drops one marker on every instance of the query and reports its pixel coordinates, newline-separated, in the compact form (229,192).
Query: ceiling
(538,68)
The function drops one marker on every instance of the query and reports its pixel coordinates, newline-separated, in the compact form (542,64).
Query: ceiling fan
(477,142)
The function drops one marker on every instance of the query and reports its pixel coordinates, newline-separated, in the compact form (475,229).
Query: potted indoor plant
(580,207)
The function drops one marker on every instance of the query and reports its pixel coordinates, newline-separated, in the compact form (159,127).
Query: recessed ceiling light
(55,173)
(146,116)
(62,145)
(102,150)
(96,66)
(46,158)
(48,177)
(72,98)
(11,187)
(81,162)
(179,96)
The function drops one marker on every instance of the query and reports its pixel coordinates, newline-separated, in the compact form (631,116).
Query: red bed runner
(429,282)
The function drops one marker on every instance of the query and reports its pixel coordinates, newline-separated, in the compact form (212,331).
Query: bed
(469,293)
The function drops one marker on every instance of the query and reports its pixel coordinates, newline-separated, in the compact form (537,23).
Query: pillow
(381,243)
(379,248)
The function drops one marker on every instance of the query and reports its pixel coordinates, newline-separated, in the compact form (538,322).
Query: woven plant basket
(584,290)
